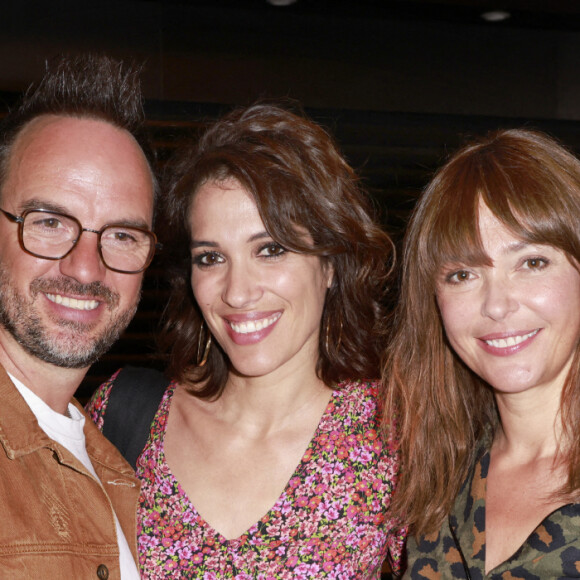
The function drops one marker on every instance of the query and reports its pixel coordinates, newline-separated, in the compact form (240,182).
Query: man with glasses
(76,211)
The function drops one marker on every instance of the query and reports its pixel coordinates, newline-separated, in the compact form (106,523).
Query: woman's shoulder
(97,405)
(353,406)
(359,396)
(357,387)
(134,385)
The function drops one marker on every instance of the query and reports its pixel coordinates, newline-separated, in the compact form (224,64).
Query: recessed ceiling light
(281,2)
(495,15)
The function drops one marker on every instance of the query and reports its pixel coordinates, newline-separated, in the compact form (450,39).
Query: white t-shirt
(68,432)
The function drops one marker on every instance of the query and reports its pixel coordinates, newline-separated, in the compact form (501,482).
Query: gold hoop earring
(327,336)
(201,360)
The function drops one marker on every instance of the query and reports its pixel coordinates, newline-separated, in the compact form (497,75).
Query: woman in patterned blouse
(484,370)
(264,459)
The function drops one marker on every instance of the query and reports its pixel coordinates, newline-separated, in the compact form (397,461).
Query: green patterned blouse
(458,550)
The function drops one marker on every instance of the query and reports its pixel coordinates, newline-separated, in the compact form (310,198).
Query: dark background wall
(387,55)
(399,82)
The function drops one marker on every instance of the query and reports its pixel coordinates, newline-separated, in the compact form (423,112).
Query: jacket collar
(101,450)
(19,430)
(21,435)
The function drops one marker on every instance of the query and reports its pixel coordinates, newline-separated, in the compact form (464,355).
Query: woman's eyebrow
(200,243)
(259,236)
(252,238)
(513,247)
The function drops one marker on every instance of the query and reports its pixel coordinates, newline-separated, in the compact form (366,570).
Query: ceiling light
(281,2)
(495,15)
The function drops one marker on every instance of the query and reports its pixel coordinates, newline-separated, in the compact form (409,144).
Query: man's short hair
(84,86)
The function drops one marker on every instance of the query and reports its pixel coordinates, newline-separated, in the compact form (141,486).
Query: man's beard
(73,345)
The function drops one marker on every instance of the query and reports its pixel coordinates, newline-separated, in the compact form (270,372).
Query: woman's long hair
(532,185)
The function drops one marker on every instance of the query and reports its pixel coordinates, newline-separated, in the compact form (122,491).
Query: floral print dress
(331,521)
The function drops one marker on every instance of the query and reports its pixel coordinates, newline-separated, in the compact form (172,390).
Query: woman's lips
(251,328)
(507,344)
(248,326)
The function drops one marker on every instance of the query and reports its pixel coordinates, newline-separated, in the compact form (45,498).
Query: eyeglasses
(52,235)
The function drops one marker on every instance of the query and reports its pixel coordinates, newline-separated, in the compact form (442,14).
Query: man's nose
(84,262)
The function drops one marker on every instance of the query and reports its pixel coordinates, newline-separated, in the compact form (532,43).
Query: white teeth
(510,341)
(73,303)
(254,325)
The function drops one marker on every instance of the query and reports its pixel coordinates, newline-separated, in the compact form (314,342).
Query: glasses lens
(126,249)
(49,235)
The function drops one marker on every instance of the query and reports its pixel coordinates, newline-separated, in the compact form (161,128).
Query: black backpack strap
(133,402)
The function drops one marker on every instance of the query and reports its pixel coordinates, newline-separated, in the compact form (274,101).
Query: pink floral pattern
(330,522)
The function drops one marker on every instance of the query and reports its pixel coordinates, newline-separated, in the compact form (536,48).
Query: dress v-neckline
(168,473)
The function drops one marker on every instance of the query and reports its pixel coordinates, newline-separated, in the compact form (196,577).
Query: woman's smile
(507,343)
(252,324)
(252,330)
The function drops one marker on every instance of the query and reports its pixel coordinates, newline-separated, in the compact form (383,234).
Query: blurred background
(400,83)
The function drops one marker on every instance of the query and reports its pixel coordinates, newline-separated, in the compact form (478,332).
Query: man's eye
(52,223)
(124,237)
(46,224)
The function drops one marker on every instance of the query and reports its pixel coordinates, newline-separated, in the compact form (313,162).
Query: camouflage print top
(458,550)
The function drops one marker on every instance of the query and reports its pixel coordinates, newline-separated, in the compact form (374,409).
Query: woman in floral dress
(264,459)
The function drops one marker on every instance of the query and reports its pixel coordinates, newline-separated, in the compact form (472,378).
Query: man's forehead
(81,155)
(56,128)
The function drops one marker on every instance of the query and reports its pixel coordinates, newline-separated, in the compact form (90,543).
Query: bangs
(520,197)
(454,236)
(274,191)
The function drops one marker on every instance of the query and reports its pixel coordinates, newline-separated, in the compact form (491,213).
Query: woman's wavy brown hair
(532,185)
(299,181)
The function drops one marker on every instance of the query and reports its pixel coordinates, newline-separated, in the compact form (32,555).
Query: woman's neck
(530,425)
(272,401)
